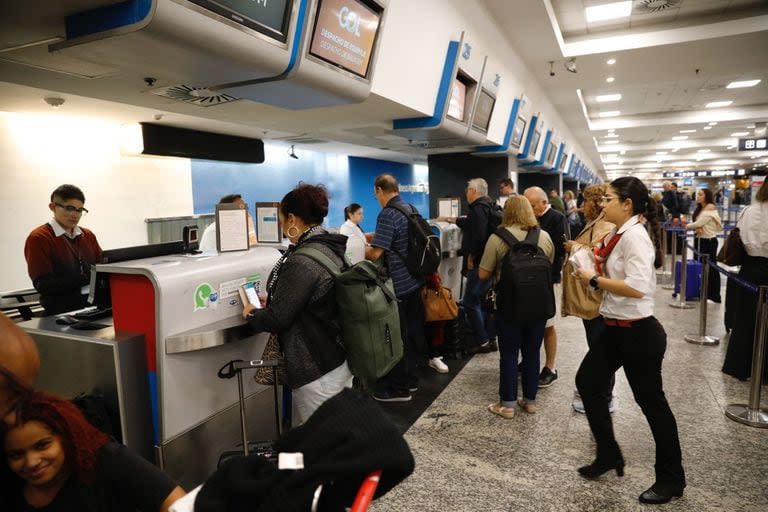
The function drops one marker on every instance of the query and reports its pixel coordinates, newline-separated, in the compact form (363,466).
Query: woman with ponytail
(625,263)
(356,242)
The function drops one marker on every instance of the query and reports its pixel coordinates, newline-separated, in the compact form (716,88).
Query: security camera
(292,153)
(551,68)
(570,65)
(54,102)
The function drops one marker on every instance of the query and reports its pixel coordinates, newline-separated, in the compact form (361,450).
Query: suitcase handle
(235,366)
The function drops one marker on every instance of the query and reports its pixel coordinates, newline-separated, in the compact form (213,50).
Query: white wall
(39,153)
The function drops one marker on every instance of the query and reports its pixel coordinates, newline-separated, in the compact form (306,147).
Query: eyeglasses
(607,199)
(72,209)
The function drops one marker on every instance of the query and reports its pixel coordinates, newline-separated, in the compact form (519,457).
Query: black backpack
(524,292)
(423,244)
(495,216)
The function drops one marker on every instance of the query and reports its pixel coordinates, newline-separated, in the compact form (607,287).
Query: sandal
(500,410)
(527,407)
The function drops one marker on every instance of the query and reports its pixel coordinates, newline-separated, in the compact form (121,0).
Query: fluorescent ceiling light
(608,97)
(623,152)
(611,135)
(611,62)
(750,127)
(742,83)
(610,142)
(717,104)
(713,123)
(687,131)
(661,152)
(609,113)
(610,11)
(704,150)
(739,134)
(679,137)
(610,79)
(707,127)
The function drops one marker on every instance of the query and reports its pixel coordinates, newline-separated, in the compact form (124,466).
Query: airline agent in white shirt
(633,338)
(356,242)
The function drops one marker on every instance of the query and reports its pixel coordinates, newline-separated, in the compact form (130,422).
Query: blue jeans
(473,299)
(513,339)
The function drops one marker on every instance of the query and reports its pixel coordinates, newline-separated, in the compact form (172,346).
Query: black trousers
(594,329)
(709,246)
(640,350)
(403,375)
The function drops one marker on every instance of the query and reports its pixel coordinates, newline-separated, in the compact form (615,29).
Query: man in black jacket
(554,223)
(475,230)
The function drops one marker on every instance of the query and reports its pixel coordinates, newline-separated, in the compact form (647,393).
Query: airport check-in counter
(189,310)
(450,263)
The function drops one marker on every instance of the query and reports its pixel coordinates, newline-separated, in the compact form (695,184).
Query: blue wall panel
(348,179)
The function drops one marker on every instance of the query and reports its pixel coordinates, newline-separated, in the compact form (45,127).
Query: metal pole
(680,303)
(672,268)
(664,271)
(242,412)
(702,338)
(752,414)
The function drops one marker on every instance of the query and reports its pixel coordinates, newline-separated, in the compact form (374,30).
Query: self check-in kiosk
(450,262)
(189,310)
(461,91)
(514,134)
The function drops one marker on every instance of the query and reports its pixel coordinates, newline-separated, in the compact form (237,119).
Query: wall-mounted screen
(268,17)
(457,101)
(345,33)
(563,158)
(550,159)
(517,132)
(534,142)
(483,111)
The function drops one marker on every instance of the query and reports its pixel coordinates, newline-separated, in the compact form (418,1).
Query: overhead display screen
(517,131)
(483,111)
(458,98)
(563,158)
(534,142)
(270,17)
(550,154)
(344,34)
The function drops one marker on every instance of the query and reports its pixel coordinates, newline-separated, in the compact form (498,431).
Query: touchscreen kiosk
(483,110)
(458,100)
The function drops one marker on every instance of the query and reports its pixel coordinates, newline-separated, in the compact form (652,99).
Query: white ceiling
(676,61)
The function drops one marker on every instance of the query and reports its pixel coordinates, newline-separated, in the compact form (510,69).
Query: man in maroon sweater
(60,253)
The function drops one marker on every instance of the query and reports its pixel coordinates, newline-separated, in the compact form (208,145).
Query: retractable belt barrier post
(671,284)
(702,338)
(664,270)
(751,414)
(681,303)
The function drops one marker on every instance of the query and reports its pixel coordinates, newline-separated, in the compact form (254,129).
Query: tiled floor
(470,460)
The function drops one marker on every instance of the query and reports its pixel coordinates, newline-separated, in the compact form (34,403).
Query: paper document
(583,258)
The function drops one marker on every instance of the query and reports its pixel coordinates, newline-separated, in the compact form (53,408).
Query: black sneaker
(547,377)
(392,396)
(485,348)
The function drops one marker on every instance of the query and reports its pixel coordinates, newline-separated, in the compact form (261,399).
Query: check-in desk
(450,263)
(111,364)
(189,311)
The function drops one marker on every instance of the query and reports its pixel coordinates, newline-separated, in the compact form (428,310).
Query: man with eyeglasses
(60,253)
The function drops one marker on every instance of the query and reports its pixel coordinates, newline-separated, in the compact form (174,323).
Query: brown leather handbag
(732,253)
(439,304)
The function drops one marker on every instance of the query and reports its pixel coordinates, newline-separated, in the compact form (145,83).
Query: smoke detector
(656,5)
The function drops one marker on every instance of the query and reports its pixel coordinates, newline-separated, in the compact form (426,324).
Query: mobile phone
(250,294)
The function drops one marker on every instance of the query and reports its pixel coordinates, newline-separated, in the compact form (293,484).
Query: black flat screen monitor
(483,111)
(517,132)
(534,143)
(345,33)
(269,17)
(563,158)
(550,159)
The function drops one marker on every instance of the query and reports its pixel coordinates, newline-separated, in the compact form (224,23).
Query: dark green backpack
(370,323)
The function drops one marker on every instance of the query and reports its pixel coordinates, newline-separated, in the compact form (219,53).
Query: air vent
(301,139)
(655,5)
(199,96)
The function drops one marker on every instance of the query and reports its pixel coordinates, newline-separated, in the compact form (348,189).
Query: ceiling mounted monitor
(534,142)
(269,18)
(483,111)
(344,34)
(517,132)
(550,159)
(458,100)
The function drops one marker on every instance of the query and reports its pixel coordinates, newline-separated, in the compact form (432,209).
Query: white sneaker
(437,364)
(577,404)
(613,405)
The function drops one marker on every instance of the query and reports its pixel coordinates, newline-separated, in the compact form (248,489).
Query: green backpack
(370,322)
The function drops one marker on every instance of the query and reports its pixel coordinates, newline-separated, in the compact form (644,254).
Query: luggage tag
(292,461)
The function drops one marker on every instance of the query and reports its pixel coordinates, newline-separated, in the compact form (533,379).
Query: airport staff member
(208,240)
(60,253)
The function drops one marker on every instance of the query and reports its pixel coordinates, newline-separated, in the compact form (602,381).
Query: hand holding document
(583,258)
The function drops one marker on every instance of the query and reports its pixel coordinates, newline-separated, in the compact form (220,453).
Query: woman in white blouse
(707,223)
(356,241)
(625,262)
(754,235)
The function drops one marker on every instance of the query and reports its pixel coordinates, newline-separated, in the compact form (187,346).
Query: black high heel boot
(598,467)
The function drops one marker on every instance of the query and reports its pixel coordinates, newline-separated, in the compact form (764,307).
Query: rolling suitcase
(265,449)
(692,280)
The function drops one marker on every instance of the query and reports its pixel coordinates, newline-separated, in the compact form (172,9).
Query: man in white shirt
(506,190)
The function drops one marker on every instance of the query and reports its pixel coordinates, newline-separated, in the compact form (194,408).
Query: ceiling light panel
(609,113)
(611,62)
(718,104)
(687,131)
(742,83)
(604,98)
(610,11)
(610,79)
(739,134)
(680,137)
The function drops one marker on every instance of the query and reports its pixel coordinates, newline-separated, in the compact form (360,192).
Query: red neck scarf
(604,250)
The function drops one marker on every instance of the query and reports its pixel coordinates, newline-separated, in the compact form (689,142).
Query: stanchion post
(664,271)
(701,338)
(751,414)
(681,303)
(671,285)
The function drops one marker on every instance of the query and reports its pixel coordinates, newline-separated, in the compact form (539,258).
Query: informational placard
(268,223)
(753,144)
(344,34)
(448,207)
(231,228)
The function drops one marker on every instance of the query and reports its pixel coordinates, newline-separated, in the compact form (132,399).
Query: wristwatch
(593,282)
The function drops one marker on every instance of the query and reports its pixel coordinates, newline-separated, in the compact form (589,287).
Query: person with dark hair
(707,223)
(506,190)
(356,242)
(19,366)
(208,240)
(625,262)
(60,253)
(390,240)
(754,235)
(301,307)
(56,460)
